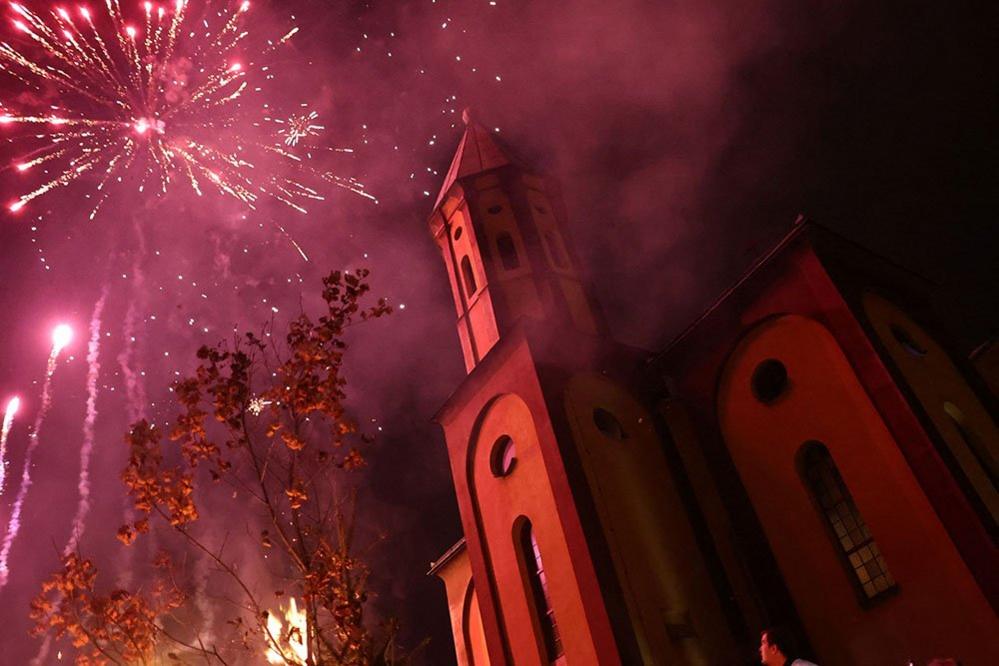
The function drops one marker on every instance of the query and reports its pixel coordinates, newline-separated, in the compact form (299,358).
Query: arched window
(857,547)
(468,275)
(507,251)
(537,583)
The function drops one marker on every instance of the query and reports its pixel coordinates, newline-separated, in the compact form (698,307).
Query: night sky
(686,135)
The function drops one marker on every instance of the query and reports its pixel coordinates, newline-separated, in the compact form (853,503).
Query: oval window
(457,233)
(769,380)
(503,457)
(608,424)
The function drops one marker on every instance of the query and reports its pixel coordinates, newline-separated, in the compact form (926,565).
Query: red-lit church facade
(809,453)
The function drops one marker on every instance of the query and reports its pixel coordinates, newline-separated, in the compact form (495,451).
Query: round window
(493,210)
(769,380)
(905,339)
(608,424)
(503,457)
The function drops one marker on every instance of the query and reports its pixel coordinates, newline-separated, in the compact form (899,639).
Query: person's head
(775,646)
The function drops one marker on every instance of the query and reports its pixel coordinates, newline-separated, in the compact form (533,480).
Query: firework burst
(298,127)
(168,94)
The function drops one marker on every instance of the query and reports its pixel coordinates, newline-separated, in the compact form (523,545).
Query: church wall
(986,364)
(474,634)
(970,436)
(674,609)
(937,607)
(490,507)
(463,608)
(795,280)
(690,448)
(501,502)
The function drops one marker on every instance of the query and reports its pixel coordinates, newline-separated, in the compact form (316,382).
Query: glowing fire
(290,637)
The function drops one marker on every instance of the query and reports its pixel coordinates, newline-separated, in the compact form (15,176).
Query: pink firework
(157,98)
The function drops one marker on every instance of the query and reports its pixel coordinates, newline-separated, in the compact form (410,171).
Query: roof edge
(448,555)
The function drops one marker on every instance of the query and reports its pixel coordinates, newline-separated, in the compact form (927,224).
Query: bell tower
(579,546)
(499,227)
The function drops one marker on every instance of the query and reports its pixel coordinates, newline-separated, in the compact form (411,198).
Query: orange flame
(289,637)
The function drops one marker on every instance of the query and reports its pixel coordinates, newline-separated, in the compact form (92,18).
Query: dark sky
(686,135)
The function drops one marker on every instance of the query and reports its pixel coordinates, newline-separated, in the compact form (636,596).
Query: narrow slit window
(507,251)
(538,585)
(863,558)
(468,275)
(974,465)
(973,443)
(555,249)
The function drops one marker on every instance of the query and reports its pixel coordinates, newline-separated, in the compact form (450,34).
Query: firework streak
(93,371)
(8,420)
(83,506)
(14,525)
(162,96)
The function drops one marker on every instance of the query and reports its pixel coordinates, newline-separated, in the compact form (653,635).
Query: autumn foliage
(261,422)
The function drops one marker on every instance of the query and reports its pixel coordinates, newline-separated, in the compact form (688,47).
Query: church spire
(479,150)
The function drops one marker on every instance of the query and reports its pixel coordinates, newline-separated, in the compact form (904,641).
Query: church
(810,453)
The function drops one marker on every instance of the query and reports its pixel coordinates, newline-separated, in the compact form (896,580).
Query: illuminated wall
(786,389)
(673,607)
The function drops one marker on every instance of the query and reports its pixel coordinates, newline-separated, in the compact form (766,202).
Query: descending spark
(8,420)
(61,336)
(291,240)
(83,505)
(165,99)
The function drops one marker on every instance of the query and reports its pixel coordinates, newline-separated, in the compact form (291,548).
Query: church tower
(581,545)
(499,229)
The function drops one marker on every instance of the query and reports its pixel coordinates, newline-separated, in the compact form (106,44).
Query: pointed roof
(478,151)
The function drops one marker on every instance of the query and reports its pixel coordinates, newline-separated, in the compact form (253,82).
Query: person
(777,649)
